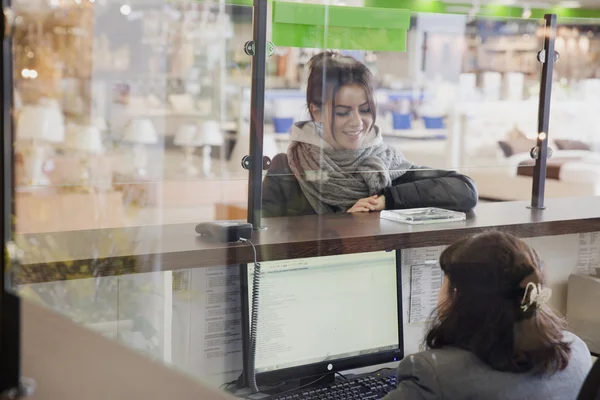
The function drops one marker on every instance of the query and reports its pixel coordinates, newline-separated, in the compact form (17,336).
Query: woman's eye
(346,113)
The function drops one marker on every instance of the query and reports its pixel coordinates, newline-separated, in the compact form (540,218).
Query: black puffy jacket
(418,187)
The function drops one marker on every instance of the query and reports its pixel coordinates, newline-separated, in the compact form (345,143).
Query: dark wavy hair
(330,71)
(488,275)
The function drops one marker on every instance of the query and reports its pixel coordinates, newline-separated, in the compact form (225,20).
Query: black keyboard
(368,387)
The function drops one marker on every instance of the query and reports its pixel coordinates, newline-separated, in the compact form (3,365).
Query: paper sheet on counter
(209,335)
(589,253)
(412,257)
(425,282)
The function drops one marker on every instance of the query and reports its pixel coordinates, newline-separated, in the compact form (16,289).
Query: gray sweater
(454,374)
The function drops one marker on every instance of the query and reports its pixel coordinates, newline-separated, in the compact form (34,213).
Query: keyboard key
(364,388)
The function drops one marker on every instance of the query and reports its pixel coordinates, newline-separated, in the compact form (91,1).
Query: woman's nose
(356,120)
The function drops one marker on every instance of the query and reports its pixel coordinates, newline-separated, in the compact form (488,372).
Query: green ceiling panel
(432,6)
(240,2)
(349,17)
(436,6)
(338,27)
(335,37)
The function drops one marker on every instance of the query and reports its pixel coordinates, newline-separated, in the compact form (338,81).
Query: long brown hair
(330,71)
(488,275)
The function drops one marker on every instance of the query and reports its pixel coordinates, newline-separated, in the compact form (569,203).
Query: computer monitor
(325,314)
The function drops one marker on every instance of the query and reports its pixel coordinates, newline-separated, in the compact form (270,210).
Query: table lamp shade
(17,100)
(85,138)
(37,122)
(514,86)
(187,135)
(492,85)
(182,102)
(140,131)
(210,133)
(100,123)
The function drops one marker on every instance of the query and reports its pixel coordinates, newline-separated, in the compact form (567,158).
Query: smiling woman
(340,96)
(338,162)
(351,120)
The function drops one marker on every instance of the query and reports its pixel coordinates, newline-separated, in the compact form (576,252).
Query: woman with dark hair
(492,337)
(338,162)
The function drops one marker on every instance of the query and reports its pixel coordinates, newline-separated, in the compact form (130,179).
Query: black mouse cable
(253,322)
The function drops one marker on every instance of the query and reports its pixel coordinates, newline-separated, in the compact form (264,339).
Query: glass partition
(499,120)
(462,95)
(574,131)
(131,123)
(130,127)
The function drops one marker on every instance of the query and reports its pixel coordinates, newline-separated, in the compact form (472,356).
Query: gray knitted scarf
(334,180)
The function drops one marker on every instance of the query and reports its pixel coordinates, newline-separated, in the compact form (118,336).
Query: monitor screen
(323,310)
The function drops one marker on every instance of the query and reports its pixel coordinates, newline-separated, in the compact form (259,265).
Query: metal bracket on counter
(534,153)
(247,162)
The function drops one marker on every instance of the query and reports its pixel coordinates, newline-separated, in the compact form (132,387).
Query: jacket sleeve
(416,381)
(425,187)
(273,197)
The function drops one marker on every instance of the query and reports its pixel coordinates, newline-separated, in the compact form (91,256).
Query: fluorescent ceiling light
(569,4)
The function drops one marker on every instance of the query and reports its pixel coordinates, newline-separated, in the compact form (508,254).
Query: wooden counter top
(172,247)
(67,361)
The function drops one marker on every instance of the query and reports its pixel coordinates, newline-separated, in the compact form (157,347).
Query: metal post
(548,58)
(257,112)
(9,304)
(222,86)
(12,385)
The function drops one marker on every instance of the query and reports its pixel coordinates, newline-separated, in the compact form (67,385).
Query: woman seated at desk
(338,162)
(493,338)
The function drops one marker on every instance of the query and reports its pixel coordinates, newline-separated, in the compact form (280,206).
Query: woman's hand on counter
(373,203)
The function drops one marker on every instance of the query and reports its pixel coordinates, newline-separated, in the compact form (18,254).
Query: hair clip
(538,296)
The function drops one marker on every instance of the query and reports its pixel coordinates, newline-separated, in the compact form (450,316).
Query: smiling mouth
(353,134)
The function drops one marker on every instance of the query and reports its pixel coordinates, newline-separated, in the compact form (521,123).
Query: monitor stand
(312,381)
